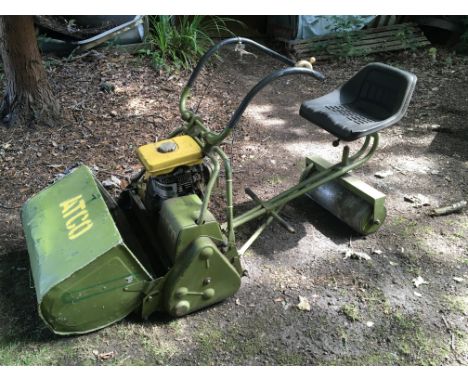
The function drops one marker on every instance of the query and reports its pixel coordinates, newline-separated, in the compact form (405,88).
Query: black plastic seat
(374,98)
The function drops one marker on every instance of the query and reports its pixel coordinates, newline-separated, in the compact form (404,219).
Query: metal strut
(306,184)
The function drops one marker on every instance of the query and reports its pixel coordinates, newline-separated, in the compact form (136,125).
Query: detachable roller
(352,201)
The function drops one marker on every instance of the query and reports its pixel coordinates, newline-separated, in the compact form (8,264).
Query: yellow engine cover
(163,156)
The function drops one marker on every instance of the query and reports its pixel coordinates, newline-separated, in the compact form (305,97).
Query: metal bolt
(209,293)
(206,252)
(181,292)
(207,281)
(181,308)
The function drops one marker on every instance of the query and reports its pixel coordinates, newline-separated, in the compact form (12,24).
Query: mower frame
(209,141)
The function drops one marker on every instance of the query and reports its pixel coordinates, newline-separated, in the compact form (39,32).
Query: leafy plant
(346,41)
(406,38)
(179,41)
(432,52)
(462,46)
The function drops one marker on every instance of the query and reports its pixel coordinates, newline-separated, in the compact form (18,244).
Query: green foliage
(346,40)
(178,42)
(432,52)
(343,24)
(462,46)
(405,35)
(351,312)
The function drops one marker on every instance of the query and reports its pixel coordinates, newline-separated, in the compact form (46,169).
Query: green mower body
(87,276)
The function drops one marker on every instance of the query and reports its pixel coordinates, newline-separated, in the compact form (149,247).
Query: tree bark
(28,98)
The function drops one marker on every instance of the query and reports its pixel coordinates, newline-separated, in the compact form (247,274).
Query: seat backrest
(379,91)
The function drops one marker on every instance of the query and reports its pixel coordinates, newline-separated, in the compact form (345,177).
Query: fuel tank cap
(167,147)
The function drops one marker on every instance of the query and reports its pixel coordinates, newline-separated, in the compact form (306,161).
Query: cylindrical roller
(347,206)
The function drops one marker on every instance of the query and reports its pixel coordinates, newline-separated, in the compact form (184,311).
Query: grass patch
(351,312)
(59,352)
(275,180)
(460,228)
(456,304)
(378,359)
(241,347)
(287,358)
(17,354)
(159,351)
(405,341)
(236,347)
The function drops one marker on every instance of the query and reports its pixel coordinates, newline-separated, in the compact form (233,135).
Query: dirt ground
(361,312)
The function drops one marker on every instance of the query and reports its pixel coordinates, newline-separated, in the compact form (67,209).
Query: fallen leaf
(418,281)
(303,304)
(113,181)
(383,174)
(350,254)
(106,356)
(418,200)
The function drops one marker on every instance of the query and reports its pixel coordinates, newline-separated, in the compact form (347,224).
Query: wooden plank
(376,49)
(354,35)
(407,43)
(363,48)
(402,38)
(369,47)
(360,51)
(389,35)
(358,43)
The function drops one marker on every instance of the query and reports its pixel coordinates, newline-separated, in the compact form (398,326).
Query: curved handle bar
(213,138)
(230,41)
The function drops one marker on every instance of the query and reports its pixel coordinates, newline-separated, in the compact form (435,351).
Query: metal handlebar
(212,138)
(253,92)
(230,41)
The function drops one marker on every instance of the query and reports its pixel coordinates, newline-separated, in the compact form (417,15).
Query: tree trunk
(28,98)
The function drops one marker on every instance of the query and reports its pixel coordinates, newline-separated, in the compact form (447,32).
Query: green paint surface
(79,262)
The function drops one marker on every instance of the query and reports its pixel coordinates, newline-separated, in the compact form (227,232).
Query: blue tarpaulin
(310,26)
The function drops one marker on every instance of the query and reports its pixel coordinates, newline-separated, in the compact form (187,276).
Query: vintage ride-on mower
(158,247)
